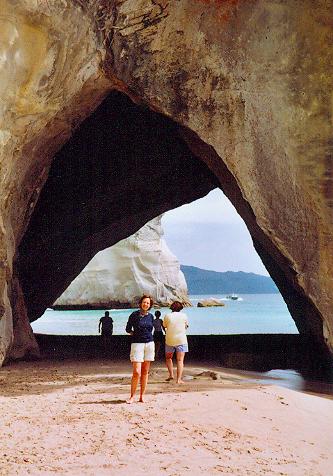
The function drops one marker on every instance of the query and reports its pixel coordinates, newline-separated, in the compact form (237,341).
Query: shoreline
(69,417)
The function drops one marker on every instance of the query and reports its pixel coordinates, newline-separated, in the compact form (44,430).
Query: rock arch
(221,104)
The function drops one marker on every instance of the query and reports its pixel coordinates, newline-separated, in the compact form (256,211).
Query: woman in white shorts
(175,324)
(140,327)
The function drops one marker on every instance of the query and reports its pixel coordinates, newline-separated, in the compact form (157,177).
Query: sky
(209,234)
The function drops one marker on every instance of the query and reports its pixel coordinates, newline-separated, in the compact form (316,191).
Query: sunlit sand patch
(87,428)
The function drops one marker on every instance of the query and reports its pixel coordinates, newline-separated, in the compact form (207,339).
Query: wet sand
(70,418)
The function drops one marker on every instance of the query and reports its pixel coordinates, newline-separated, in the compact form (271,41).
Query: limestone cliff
(99,98)
(119,275)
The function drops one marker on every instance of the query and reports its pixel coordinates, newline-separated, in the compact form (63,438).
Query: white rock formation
(119,275)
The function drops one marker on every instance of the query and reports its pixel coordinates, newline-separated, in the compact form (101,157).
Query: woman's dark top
(141,326)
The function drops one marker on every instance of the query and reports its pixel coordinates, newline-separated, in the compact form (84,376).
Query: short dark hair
(107,313)
(146,296)
(176,306)
(157,313)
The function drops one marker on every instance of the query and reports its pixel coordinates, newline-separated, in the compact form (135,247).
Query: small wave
(231,299)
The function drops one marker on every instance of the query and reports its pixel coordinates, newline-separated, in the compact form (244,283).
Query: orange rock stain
(226,8)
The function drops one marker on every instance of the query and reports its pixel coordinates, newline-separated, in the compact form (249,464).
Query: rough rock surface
(50,78)
(119,275)
(232,93)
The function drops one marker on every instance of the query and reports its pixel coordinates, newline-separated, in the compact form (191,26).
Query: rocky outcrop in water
(123,110)
(118,276)
(211,302)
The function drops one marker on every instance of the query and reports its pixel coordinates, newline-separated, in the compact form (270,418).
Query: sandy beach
(70,418)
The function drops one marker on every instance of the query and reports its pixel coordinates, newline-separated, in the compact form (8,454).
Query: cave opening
(124,165)
(215,256)
(251,318)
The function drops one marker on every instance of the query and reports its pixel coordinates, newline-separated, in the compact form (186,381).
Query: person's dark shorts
(107,333)
(158,336)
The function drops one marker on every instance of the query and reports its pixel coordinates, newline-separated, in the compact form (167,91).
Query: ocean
(251,314)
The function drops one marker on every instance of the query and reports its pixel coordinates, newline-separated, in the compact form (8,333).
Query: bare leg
(180,366)
(135,379)
(169,364)
(144,379)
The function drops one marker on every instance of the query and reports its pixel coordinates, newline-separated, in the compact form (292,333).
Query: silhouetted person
(106,326)
(158,332)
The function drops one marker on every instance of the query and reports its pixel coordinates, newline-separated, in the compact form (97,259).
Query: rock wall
(235,94)
(50,79)
(254,81)
(119,275)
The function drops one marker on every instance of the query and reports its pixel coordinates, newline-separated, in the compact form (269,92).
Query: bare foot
(169,379)
(130,400)
(141,400)
(180,381)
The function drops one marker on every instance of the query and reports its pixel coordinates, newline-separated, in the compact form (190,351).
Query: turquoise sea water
(252,314)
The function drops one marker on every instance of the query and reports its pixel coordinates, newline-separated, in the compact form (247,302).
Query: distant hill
(202,281)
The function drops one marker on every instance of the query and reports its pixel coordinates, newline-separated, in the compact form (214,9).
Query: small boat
(233,297)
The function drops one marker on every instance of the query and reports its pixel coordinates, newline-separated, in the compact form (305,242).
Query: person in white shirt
(175,324)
